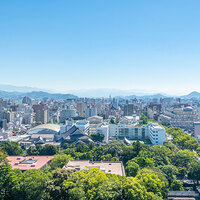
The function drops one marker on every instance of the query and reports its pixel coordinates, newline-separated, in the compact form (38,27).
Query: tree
(182,172)
(137,147)
(132,168)
(143,160)
(82,147)
(159,154)
(55,186)
(151,182)
(110,189)
(132,189)
(84,184)
(154,173)
(144,119)
(170,146)
(32,185)
(177,186)
(183,140)
(113,148)
(108,157)
(127,153)
(112,121)
(194,171)
(12,148)
(47,149)
(170,172)
(14,179)
(4,171)
(97,137)
(32,151)
(183,158)
(59,161)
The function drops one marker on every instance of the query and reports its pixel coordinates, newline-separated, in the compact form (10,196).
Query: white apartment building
(103,129)
(152,131)
(156,133)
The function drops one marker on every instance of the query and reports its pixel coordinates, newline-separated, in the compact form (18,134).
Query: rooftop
(45,128)
(113,167)
(29,162)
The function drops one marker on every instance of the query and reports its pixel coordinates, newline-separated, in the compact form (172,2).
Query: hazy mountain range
(16,92)
(13,88)
(36,95)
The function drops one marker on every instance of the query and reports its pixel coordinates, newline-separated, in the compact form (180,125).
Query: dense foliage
(151,171)
(183,140)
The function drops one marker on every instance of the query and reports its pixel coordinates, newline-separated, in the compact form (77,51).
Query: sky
(85,44)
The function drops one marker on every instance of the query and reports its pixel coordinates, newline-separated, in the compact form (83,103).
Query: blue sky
(85,44)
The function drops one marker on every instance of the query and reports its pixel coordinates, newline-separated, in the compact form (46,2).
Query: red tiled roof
(28,162)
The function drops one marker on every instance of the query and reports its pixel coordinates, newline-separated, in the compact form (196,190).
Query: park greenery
(151,171)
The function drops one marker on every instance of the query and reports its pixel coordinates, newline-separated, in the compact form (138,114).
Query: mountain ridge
(36,95)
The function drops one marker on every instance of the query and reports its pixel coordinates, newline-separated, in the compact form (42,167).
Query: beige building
(94,122)
(113,167)
(41,116)
(80,108)
(179,116)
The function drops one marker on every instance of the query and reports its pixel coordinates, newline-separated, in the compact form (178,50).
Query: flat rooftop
(113,167)
(179,194)
(29,162)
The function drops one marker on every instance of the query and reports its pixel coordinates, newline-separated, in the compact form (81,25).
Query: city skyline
(151,46)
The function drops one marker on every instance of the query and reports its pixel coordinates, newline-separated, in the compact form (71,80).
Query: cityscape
(99,100)
(35,131)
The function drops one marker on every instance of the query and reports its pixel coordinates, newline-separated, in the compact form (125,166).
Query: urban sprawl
(133,137)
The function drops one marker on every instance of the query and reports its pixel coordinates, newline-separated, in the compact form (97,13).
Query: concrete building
(153,111)
(129,110)
(44,134)
(90,111)
(29,162)
(182,116)
(3,124)
(80,109)
(41,116)
(152,131)
(156,133)
(112,167)
(132,108)
(83,125)
(67,114)
(26,100)
(104,130)
(197,130)
(94,121)
(129,119)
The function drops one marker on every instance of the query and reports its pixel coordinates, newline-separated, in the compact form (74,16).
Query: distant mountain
(36,95)
(13,88)
(12,95)
(106,92)
(192,95)
(153,96)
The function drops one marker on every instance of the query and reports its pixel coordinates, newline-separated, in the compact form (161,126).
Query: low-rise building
(112,167)
(29,162)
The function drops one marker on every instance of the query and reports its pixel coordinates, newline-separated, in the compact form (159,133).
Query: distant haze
(99,92)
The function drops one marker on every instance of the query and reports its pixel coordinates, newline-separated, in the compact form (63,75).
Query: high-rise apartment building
(80,108)
(41,116)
